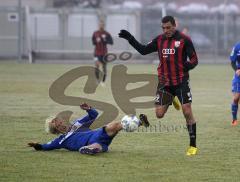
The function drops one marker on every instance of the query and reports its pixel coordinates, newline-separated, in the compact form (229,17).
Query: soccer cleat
(144,120)
(89,150)
(176,103)
(192,151)
(234,122)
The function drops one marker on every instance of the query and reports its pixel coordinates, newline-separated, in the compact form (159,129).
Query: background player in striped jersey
(174,48)
(100,39)
(235,62)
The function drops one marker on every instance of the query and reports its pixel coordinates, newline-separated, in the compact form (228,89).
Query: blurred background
(32,30)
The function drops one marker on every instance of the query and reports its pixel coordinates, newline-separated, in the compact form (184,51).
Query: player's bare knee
(110,127)
(113,127)
(187,114)
(97,64)
(160,115)
(160,110)
(235,100)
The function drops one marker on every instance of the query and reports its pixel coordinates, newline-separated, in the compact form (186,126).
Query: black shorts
(165,94)
(100,59)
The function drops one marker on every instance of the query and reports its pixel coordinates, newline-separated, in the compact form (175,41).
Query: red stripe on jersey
(180,60)
(173,73)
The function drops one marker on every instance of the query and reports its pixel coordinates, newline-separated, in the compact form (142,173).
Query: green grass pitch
(142,156)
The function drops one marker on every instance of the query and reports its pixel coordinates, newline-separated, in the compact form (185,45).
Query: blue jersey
(235,58)
(80,135)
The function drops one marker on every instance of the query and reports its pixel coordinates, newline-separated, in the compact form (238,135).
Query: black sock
(192,134)
(104,77)
(97,73)
(104,71)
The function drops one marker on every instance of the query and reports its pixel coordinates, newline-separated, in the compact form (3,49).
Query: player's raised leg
(129,123)
(113,128)
(162,101)
(106,134)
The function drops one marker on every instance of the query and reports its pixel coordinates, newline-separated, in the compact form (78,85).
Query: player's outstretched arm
(142,49)
(54,144)
(87,120)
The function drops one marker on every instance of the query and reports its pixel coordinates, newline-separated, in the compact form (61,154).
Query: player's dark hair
(170,19)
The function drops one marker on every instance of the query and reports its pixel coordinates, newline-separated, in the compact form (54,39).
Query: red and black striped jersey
(176,54)
(100,39)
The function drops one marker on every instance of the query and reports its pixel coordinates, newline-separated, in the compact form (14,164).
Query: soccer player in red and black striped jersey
(177,57)
(100,39)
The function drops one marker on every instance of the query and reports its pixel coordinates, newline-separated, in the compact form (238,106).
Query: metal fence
(69,31)
(62,31)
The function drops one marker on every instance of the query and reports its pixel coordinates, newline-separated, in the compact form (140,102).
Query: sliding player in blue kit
(78,136)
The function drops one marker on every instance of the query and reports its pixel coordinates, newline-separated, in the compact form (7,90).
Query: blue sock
(234,111)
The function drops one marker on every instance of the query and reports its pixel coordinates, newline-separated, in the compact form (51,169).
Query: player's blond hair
(49,126)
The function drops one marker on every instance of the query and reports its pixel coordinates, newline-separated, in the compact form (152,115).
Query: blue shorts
(236,87)
(101,137)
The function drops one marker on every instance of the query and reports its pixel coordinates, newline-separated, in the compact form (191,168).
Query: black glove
(125,34)
(36,146)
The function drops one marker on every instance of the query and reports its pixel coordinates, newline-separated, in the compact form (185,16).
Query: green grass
(158,156)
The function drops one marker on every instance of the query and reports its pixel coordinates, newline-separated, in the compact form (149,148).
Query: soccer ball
(130,123)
